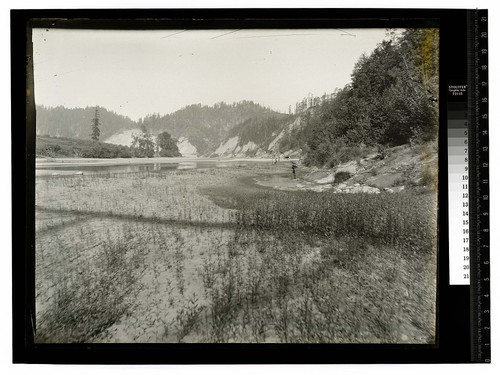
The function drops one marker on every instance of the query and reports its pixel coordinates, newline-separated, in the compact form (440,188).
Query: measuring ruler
(479,213)
(468,184)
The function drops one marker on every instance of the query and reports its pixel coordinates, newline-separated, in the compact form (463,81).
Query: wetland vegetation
(203,255)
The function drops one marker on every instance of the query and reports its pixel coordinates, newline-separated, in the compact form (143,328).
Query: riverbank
(400,168)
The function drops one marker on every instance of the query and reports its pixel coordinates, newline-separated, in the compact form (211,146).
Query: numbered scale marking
(480,240)
(458,185)
(468,185)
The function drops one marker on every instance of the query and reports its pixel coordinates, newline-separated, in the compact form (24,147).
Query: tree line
(74,122)
(205,126)
(392,99)
(47,146)
(144,145)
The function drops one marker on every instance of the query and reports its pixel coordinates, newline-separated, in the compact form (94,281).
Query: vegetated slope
(70,147)
(256,137)
(392,100)
(205,127)
(399,168)
(76,122)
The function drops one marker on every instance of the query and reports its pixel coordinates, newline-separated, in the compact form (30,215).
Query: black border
(453,315)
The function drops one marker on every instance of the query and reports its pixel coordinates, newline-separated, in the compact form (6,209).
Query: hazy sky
(136,73)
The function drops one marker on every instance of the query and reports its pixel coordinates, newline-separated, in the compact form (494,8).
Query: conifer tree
(96,132)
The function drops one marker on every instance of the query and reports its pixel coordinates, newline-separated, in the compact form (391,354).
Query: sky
(140,72)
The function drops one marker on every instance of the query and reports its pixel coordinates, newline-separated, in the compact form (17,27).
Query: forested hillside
(76,122)
(207,126)
(204,126)
(254,137)
(392,100)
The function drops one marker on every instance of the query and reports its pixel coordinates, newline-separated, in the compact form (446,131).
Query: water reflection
(68,170)
(187,165)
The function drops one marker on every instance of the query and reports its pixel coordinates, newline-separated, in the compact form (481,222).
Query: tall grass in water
(300,293)
(92,292)
(327,268)
(406,220)
(288,267)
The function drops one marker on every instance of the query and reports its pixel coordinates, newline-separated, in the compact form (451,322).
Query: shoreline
(55,162)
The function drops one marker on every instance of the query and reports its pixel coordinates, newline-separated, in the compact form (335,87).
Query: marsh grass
(90,290)
(188,317)
(253,265)
(287,297)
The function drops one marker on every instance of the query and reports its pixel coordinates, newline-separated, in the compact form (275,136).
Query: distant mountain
(205,127)
(198,129)
(76,122)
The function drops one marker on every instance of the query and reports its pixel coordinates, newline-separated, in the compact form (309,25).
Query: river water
(70,167)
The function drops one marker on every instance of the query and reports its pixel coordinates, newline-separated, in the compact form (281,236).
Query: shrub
(344,153)
(106,151)
(429,178)
(48,150)
(342,176)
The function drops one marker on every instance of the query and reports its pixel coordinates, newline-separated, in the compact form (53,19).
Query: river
(64,167)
